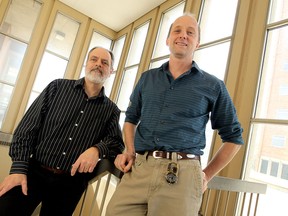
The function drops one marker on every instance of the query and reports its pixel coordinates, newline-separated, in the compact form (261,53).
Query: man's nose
(98,63)
(183,35)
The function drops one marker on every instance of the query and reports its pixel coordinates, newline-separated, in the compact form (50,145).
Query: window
(215,40)
(283,90)
(278,141)
(264,166)
(269,121)
(56,55)
(117,51)
(213,13)
(217,57)
(167,18)
(131,68)
(282,114)
(278,11)
(137,45)
(274,169)
(272,94)
(285,67)
(15,33)
(284,173)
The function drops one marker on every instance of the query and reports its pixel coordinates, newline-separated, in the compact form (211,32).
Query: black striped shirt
(62,123)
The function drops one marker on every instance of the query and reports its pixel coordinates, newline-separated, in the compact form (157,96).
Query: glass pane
(5,95)
(209,136)
(62,36)
(117,51)
(284,173)
(279,10)
(273,92)
(161,49)
(266,164)
(51,67)
(217,19)
(213,59)
(157,64)
(126,88)
(100,40)
(274,169)
(11,57)
(137,45)
(21,18)
(122,119)
(109,84)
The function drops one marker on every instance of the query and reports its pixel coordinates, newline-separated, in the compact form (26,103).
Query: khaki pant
(144,190)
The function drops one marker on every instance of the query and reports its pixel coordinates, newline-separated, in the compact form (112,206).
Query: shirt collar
(194,67)
(80,84)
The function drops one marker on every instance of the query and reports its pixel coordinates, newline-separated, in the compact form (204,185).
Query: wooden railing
(99,190)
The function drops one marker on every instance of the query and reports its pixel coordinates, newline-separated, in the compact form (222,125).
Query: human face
(98,66)
(183,39)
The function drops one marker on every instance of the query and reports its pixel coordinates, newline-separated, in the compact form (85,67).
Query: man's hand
(204,183)
(124,161)
(13,180)
(86,161)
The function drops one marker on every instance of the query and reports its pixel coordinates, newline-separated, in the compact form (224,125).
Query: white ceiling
(115,14)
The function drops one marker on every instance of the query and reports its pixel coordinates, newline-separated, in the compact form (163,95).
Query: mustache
(97,69)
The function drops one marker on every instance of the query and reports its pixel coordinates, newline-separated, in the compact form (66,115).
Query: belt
(168,155)
(55,171)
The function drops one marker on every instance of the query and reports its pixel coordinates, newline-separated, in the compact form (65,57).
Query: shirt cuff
(103,150)
(19,167)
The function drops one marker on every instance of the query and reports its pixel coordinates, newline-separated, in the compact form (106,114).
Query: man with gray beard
(57,144)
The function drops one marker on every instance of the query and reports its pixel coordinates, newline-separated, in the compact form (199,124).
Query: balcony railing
(217,200)
(231,197)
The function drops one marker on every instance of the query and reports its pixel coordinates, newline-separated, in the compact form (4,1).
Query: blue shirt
(171,115)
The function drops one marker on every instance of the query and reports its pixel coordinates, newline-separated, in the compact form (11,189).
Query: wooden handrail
(236,185)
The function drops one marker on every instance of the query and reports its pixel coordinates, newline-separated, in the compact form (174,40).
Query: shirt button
(64,153)
(81,111)
(76,125)
(70,138)
(171,87)
(157,139)
(58,168)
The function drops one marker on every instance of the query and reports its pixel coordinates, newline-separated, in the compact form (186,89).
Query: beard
(96,75)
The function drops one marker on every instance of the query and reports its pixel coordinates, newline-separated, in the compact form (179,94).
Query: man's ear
(111,70)
(198,44)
